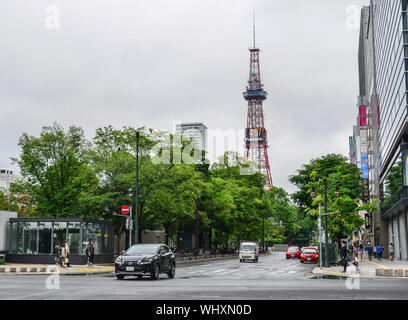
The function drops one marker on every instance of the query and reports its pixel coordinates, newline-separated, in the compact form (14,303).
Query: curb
(385,275)
(206,259)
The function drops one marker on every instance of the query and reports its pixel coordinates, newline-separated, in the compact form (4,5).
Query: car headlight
(119,260)
(146,262)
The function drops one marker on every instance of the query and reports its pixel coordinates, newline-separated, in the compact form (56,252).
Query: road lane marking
(229,272)
(377,264)
(217,271)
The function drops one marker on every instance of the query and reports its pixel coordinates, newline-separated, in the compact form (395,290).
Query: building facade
(32,240)
(7,177)
(195,131)
(383,118)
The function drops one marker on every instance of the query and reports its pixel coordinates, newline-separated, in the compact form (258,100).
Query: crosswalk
(234,271)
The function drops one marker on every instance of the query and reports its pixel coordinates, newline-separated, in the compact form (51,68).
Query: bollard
(388,272)
(398,272)
(379,272)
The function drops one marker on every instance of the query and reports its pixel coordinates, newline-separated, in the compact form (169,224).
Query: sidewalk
(369,269)
(49,269)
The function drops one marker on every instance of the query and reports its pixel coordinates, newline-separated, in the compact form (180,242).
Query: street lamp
(137,188)
(326,234)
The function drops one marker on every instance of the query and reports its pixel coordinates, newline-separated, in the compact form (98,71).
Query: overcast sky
(153,62)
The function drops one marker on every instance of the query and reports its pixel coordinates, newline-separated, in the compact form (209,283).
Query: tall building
(7,177)
(256,138)
(195,131)
(383,66)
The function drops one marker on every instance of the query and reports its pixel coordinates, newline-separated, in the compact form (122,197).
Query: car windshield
(293,249)
(310,250)
(247,247)
(144,249)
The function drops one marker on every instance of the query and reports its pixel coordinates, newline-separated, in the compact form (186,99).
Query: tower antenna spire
(253,19)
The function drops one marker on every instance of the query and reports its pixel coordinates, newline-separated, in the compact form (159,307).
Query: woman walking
(391,251)
(64,254)
(361,251)
(355,255)
(90,252)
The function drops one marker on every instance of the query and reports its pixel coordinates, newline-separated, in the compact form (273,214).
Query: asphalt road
(273,277)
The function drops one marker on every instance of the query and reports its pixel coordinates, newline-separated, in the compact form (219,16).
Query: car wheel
(156,272)
(172,272)
(120,276)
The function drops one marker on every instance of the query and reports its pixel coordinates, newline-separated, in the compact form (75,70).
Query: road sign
(125,210)
(129,224)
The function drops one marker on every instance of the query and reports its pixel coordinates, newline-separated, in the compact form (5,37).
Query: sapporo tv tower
(256,142)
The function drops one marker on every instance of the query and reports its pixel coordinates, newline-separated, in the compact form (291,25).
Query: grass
(2,262)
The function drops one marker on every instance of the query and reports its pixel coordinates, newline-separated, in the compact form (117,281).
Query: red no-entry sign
(125,210)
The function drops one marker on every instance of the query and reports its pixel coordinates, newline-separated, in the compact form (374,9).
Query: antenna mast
(253,18)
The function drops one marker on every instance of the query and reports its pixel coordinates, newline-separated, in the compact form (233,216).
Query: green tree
(345,189)
(54,169)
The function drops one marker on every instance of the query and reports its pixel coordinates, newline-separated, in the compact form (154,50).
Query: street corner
(329,272)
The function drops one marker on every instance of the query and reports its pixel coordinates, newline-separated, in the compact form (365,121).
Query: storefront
(32,240)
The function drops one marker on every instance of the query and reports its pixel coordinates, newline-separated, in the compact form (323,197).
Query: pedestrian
(90,252)
(343,255)
(57,252)
(369,250)
(64,254)
(360,252)
(391,251)
(67,259)
(379,251)
(355,255)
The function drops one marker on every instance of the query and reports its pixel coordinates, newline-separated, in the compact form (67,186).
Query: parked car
(249,250)
(309,255)
(146,260)
(293,252)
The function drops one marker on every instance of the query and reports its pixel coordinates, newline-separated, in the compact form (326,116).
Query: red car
(293,252)
(309,255)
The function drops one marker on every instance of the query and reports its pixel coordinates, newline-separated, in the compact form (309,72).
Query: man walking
(379,252)
(369,250)
(343,255)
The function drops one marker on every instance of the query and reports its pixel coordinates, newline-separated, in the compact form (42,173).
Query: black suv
(146,260)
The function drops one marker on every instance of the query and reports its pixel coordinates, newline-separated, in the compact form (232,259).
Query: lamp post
(137,190)
(326,234)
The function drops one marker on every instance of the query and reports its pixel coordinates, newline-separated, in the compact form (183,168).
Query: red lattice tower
(256,141)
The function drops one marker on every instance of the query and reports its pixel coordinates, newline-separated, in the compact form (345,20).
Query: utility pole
(325,221)
(130,227)
(320,235)
(137,190)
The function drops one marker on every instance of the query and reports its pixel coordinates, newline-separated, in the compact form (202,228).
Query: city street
(273,277)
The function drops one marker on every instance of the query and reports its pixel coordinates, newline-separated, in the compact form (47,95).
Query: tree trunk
(166,230)
(196,231)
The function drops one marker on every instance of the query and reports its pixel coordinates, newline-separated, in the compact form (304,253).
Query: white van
(249,250)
